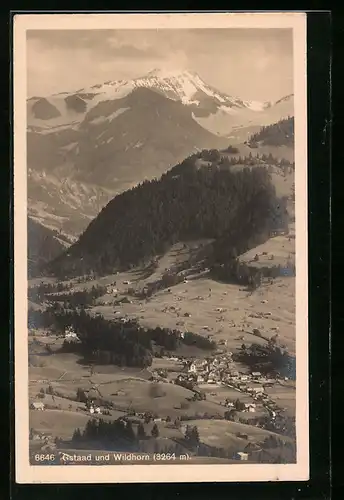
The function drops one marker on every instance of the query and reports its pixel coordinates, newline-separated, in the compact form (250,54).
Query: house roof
(38,404)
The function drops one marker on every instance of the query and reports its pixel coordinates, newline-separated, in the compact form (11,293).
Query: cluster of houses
(218,371)
(70,335)
(93,408)
(211,371)
(37,405)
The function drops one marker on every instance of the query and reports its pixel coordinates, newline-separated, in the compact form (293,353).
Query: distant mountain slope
(88,145)
(65,205)
(189,202)
(239,124)
(137,137)
(43,245)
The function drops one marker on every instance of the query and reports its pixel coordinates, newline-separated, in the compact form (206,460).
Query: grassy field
(56,422)
(223,433)
(202,298)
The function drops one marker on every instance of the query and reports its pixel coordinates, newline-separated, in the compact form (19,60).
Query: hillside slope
(43,245)
(189,202)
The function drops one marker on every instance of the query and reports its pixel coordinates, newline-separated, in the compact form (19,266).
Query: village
(218,371)
(204,377)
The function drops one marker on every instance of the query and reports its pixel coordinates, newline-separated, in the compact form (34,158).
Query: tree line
(40,292)
(277,134)
(113,342)
(54,293)
(122,435)
(270,359)
(118,433)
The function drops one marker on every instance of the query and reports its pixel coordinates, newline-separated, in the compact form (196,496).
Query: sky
(253,64)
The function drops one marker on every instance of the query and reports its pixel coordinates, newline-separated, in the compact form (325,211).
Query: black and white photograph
(160,213)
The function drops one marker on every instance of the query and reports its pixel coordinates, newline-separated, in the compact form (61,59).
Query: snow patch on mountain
(109,118)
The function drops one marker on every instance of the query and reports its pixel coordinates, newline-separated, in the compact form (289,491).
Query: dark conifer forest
(113,342)
(277,134)
(190,201)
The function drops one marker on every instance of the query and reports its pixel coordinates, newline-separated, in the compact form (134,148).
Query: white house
(198,365)
(72,337)
(241,455)
(258,390)
(37,405)
(256,374)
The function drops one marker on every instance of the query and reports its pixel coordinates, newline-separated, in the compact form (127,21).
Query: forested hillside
(188,202)
(43,245)
(278,134)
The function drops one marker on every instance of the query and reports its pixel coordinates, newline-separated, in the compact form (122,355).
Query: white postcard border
(26,473)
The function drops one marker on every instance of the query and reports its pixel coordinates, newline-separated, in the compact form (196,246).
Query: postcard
(160,247)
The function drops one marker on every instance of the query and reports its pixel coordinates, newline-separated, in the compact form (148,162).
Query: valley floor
(225,313)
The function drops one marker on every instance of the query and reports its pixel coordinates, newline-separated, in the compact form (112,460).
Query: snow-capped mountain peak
(68,109)
(188,87)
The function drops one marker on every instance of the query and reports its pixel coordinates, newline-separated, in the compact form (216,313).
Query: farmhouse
(258,390)
(197,366)
(71,337)
(37,405)
(241,456)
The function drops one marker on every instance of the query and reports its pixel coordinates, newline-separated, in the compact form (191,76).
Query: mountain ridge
(178,85)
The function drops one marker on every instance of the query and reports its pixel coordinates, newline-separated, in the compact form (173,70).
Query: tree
(76,435)
(80,395)
(129,431)
(141,434)
(194,436)
(239,405)
(229,415)
(155,431)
